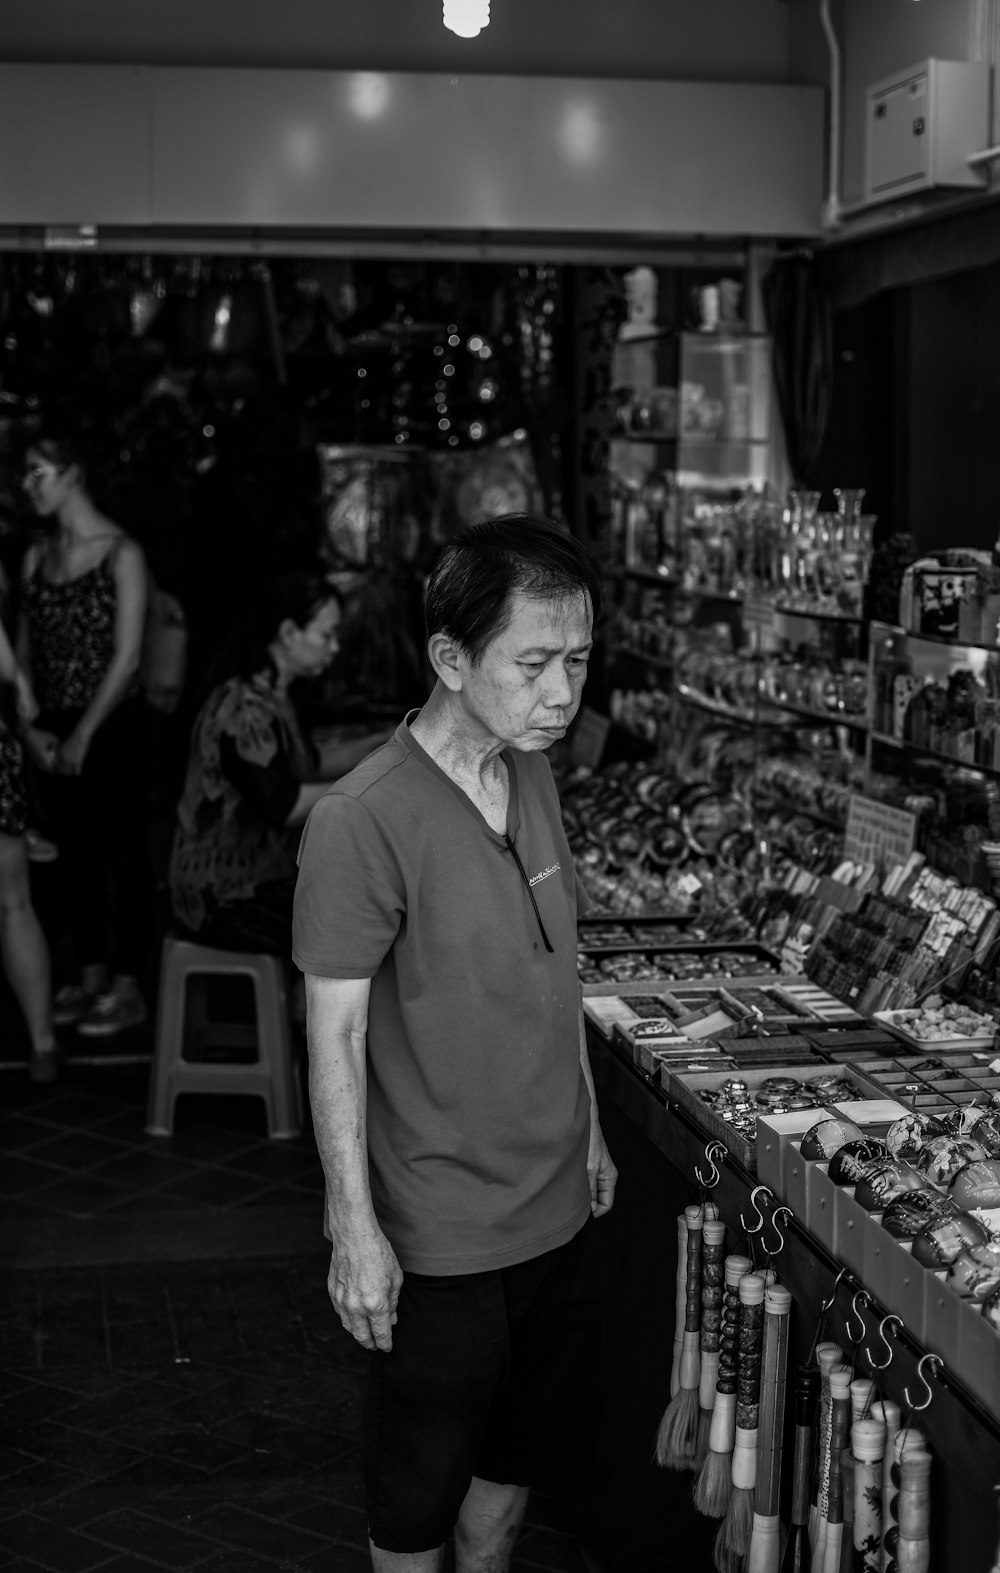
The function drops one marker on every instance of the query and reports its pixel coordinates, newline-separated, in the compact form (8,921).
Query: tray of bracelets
(725,1104)
(674,963)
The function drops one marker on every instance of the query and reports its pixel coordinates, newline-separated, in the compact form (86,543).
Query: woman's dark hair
(471,584)
(63,448)
(298,596)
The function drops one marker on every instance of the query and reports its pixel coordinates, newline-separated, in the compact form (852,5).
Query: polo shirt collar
(404,736)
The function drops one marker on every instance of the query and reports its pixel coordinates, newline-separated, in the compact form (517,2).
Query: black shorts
(493,1375)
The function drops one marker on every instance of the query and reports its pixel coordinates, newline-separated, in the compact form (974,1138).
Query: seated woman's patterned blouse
(248,758)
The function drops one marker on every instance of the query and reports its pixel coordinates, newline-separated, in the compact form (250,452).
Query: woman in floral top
(253,774)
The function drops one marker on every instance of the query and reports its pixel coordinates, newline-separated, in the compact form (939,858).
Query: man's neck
(443,732)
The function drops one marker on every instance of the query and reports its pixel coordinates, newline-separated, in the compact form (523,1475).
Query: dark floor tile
(22,1176)
(32,1404)
(153,1474)
(343,1558)
(213,1188)
(239,1562)
(77,1150)
(62,1550)
(52,1442)
(265,1433)
(140,1203)
(128,1564)
(43,1482)
(80,1195)
(283,1196)
(241,1114)
(13,1460)
(273,1161)
(205,1143)
(24,1209)
(76,1111)
(142,1168)
(234,1526)
(18,1133)
(128,1126)
(159,1542)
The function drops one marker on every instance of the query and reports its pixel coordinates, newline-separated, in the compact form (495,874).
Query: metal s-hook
(896,1323)
(776,1226)
(713,1150)
(827,1305)
(753,1203)
(935,1361)
(860,1297)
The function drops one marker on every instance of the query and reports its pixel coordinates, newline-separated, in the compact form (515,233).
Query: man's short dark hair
(471,584)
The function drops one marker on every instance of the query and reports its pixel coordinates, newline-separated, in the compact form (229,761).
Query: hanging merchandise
(831,1535)
(828,1356)
(765,1537)
(714,1484)
(732,1543)
(712,1275)
(797,1554)
(680,1301)
(370,506)
(868,1444)
(677,1438)
(471,485)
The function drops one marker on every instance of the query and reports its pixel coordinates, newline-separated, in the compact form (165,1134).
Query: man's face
(526,688)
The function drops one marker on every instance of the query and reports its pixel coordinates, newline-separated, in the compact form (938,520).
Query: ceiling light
(467,18)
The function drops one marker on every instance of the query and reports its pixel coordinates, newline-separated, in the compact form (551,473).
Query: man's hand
(601,1172)
(364,1283)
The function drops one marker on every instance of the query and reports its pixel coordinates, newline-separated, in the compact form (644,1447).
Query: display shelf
(903,746)
(772,712)
(643,576)
(663,662)
(934,639)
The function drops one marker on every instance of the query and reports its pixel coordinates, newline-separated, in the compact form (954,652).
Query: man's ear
(448,660)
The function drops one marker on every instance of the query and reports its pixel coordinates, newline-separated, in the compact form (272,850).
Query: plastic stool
(182,1022)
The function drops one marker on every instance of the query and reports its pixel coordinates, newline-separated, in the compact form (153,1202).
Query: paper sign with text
(877,832)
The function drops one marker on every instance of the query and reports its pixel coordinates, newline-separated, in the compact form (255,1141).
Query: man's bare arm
(365,1277)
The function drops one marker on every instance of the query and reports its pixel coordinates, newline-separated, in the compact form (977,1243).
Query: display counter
(658,1149)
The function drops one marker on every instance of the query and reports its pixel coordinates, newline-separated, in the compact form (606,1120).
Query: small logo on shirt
(536,879)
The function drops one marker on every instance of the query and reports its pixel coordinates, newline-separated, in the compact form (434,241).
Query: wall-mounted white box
(921,126)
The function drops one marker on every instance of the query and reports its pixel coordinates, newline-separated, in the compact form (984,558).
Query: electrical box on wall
(922,125)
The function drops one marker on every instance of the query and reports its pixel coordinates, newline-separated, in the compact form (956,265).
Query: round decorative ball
(986,1132)
(883,1181)
(824,1138)
(943,1156)
(939,1242)
(975,1272)
(907,1214)
(977,1185)
(848,1163)
(910,1133)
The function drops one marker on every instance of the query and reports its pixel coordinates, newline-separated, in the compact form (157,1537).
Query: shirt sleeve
(270,789)
(350,897)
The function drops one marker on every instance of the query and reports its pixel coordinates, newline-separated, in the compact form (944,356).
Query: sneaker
(39,849)
(70,1004)
(111,1013)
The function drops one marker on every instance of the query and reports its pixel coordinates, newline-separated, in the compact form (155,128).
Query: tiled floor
(175,1390)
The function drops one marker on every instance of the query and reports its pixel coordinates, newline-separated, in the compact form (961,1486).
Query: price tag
(877,832)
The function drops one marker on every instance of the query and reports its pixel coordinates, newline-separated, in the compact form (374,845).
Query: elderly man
(454,1108)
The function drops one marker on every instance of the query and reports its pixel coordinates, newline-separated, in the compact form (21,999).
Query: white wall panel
(363,150)
(74,145)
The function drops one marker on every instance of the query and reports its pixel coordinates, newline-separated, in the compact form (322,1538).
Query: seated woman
(253,774)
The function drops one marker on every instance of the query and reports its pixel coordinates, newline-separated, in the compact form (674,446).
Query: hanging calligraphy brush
(862,1391)
(840,1430)
(796,1555)
(714,1484)
(911,1442)
(912,1545)
(888,1412)
(677,1438)
(712,1275)
(732,1543)
(828,1355)
(868,1447)
(765,1538)
(680,1298)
